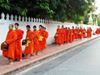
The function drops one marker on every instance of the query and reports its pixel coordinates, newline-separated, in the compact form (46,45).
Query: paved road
(84,60)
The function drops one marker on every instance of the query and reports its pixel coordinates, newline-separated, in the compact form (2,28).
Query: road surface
(84,60)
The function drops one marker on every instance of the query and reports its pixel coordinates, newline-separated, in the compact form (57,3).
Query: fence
(21,18)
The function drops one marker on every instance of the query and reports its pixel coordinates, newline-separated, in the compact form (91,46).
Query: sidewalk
(48,52)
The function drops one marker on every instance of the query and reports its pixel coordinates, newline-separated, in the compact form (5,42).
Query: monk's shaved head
(11,26)
(16,25)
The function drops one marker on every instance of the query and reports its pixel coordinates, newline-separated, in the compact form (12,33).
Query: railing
(23,19)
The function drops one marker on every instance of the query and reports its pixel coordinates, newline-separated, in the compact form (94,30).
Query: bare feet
(27,56)
(10,63)
(32,54)
(36,53)
(20,60)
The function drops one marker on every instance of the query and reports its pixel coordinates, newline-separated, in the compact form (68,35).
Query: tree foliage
(61,10)
(98,21)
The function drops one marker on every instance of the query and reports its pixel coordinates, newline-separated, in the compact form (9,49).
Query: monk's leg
(11,61)
(27,56)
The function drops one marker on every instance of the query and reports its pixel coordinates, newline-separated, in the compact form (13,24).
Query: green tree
(61,10)
(98,21)
(86,20)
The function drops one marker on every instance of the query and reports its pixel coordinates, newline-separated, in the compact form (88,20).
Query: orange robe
(29,49)
(18,51)
(78,30)
(84,33)
(44,34)
(36,41)
(97,31)
(66,37)
(70,35)
(80,34)
(89,32)
(63,35)
(58,37)
(41,32)
(11,41)
(73,34)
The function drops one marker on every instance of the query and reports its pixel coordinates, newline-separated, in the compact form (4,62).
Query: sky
(98,6)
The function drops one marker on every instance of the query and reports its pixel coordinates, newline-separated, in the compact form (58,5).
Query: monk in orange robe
(41,37)
(29,49)
(58,36)
(89,32)
(78,30)
(70,35)
(36,40)
(62,34)
(18,51)
(84,33)
(73,35)
(80,33)
(11,41)
(44,34)
(97,31)
(76,33)
(66,35)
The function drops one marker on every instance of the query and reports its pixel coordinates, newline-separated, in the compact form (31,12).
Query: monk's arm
(14,38)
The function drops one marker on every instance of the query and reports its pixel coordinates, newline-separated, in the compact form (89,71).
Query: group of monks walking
(68,35)
(35,42)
